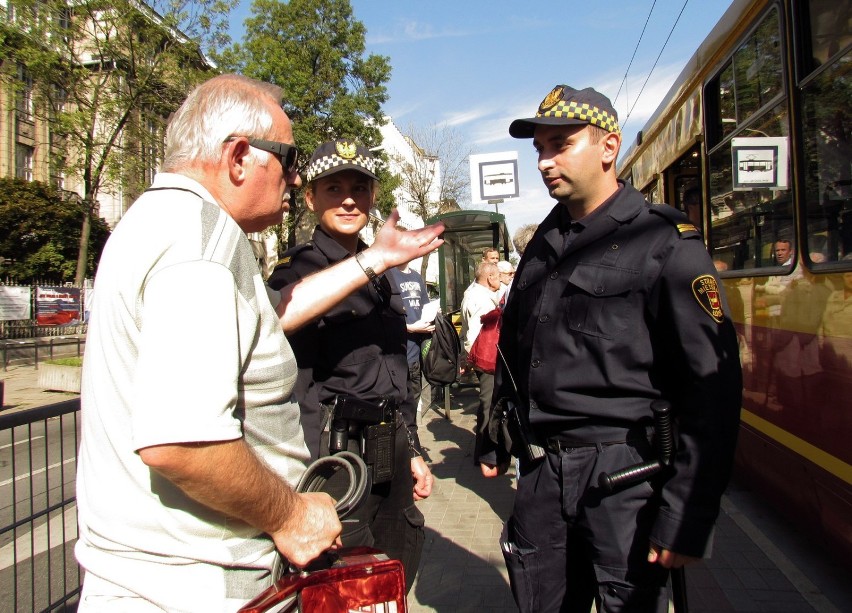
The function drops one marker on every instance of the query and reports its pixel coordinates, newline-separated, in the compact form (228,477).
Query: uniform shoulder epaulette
(684,227)
(288,256)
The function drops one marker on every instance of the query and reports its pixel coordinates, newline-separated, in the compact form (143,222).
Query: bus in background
(754,143)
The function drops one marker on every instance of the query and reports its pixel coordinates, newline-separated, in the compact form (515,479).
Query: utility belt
(372,425)
(512,430)
(600,438)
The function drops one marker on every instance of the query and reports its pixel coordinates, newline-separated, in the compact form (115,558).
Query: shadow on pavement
(462,567)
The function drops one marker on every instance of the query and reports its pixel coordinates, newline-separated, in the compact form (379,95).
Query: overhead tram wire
(624,123)
(635,50)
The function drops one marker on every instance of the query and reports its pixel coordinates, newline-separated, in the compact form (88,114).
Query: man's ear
(611,145)
(236,156)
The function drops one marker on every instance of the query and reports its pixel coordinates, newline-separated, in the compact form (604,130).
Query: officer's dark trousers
(389,519)
(567,544)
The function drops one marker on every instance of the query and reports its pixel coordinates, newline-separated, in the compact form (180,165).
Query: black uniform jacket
(631,311)
(357,348)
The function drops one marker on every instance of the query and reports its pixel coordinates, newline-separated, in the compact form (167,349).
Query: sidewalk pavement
(22,391)
(760,562)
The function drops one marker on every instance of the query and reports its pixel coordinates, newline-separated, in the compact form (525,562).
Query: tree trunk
(83,252)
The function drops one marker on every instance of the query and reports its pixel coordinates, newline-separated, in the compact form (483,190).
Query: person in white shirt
(479,299)
(191,444)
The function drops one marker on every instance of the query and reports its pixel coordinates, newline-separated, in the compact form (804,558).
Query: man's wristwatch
(371,274)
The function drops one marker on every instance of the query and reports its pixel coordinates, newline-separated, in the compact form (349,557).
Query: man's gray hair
(227,105)
(522,237)
(484,269)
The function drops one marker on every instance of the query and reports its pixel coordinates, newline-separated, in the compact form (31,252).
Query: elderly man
(191,445)
(507,273)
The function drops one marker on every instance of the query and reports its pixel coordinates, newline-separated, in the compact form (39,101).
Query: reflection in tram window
(746,224)
(750,80)
(829,31)
(828,150)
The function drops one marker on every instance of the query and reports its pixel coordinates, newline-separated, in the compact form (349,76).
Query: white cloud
(460,118)
(411,30)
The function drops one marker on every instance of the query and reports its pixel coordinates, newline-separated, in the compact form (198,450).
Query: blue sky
(477,65)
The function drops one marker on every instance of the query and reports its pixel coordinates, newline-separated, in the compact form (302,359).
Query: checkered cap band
(583,112)
(333,160)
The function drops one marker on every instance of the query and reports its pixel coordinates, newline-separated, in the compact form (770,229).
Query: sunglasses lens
(290,159)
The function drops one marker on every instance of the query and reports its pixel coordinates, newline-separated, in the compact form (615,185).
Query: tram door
(683,187)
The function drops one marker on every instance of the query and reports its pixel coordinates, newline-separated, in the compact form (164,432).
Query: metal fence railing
(29,329)
(33,350)
(38,509)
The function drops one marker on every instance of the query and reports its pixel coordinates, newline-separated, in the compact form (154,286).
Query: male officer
(615,303)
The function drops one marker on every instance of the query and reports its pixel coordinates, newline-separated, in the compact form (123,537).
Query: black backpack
(440,354)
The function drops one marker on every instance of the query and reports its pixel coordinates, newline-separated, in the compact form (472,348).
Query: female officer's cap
(568,106)
(337,155)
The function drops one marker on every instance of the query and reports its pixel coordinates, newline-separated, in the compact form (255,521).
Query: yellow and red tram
(754,143)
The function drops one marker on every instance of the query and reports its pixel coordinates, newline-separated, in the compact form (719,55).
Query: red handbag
(483,352)
(350,579)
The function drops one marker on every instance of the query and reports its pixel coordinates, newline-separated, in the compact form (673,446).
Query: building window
(24,95)
(24,162)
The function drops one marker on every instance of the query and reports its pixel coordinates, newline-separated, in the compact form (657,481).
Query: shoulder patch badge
(706,292)
(285,261)
(686,227)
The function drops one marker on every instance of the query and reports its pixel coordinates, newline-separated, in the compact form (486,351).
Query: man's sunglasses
(288,155)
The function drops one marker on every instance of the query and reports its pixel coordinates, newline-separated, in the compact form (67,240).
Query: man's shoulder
(670,218)
(477,294)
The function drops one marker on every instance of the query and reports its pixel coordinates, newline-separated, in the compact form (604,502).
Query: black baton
(662,410)
(664,439)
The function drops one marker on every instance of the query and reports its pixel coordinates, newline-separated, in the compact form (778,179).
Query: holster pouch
(377,450)
(510,429)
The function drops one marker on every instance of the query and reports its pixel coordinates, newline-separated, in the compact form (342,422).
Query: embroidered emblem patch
(552,98)
(345,149)
(706,292)
(686,227)
(284,261)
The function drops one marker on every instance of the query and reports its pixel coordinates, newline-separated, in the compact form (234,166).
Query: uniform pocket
(522,561)
(601,300)
(415,536)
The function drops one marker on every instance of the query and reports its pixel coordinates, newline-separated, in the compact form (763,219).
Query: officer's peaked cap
(340,154)
(565,105)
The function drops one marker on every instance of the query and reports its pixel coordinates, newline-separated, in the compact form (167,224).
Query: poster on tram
(57,306)
(759,162)
(15,303)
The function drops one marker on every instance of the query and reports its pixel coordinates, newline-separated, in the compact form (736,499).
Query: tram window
(828,31)
(748,82)
(827,132)
(745,224)
(652,192)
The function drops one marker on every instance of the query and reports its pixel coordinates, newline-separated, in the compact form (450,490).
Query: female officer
(357,349)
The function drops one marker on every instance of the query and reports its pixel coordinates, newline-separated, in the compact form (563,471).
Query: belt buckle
(557,446)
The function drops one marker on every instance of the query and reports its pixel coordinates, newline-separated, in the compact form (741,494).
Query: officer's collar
(330,247)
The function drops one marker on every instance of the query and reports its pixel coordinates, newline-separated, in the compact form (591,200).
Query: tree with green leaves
(104,75)
(314,50)
(40,232)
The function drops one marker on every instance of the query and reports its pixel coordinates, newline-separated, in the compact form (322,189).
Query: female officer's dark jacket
(357,348)
(630,311)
